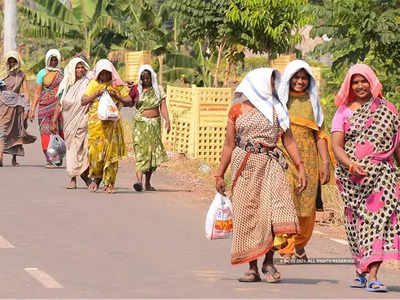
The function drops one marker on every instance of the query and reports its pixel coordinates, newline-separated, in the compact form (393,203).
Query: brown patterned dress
(261,198)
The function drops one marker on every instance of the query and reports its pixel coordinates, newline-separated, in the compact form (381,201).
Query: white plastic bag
(107,110)
(56,146)
(219,223)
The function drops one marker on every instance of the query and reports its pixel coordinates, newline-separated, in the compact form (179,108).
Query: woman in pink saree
(365,137)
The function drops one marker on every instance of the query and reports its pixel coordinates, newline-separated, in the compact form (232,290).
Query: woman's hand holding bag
(107,110)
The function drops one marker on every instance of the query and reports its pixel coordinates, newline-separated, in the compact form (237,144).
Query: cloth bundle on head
(106,65)
(257,88)
(53,53)
(69,76)
(283,92)
(154,81)
(345,94)
(5,71)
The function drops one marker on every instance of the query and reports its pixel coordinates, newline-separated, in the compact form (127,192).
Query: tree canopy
(361,31)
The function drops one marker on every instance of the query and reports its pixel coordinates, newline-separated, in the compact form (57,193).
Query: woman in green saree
(147,143)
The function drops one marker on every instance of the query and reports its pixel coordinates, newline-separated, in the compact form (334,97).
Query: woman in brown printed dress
(365,137)
(262,202)
(14,109)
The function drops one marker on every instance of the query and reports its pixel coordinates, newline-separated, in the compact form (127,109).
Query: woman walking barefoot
(75,118)
(106,140)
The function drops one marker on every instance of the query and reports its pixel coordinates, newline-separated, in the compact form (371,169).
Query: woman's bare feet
(109,189)
(72,184)
(94,185)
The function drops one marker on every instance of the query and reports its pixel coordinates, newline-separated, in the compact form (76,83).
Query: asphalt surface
(58,243)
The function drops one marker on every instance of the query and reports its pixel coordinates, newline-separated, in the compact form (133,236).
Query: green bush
(251,63)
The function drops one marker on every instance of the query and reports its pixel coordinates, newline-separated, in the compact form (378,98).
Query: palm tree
(86,22)
(10,25)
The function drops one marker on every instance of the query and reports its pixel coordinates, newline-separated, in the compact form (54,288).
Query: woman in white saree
(75,119)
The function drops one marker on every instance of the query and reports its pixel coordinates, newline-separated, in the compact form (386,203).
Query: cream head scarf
(154,81)
(5,71)
(106,65)
(257,88)
(312,90)
(53,53)
(69,76)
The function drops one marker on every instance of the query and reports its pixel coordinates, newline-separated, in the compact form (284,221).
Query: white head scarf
(154,81)
(53,53)
(69,76)
(257,88)
(283,92)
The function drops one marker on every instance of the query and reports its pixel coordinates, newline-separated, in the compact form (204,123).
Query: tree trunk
(160,72)
(10,26)
(227,72)
(220,51)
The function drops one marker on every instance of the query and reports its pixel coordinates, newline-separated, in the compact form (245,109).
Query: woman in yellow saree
(106,141)
(299,92)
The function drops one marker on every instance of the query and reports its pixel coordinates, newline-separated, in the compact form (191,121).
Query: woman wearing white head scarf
(262,202)
(299,92)
(47,82)
(75,117)
(147,144)
(106,140)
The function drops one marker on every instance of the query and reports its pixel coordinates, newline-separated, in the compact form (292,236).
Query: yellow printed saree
(106,142)
(306,132)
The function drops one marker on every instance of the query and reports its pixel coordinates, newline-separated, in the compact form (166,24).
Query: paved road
(56,243)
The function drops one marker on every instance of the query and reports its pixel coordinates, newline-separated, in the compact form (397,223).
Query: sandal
(138,186)
(302,256)
(150,189)
(50,166)
(251,276)
(376,286)
(271,274)
(362,282)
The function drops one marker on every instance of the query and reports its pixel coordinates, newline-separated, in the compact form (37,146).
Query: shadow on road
(392,288)
(307,281)
(126,191)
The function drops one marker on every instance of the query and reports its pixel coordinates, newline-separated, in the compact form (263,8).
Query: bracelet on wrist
(351,167)
(219,176)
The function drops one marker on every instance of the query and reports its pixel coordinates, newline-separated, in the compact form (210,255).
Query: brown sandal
(251,276)
(271,274)
(301,256)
